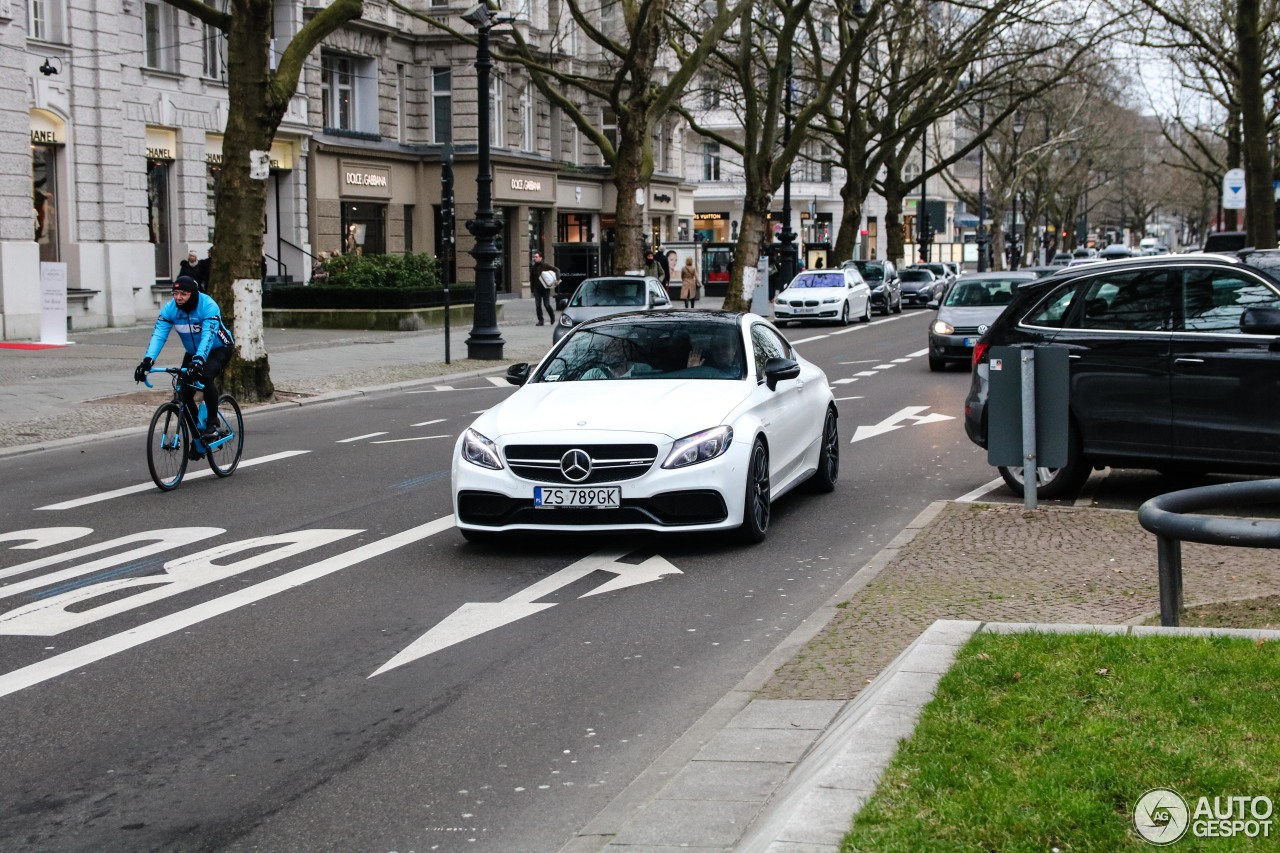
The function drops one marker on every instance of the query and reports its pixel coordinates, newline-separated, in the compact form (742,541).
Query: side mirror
(661,300)
(1260,321)
(518,374)
(562,303)
(778,369)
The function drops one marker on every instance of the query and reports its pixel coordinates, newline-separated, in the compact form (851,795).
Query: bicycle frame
(181,379)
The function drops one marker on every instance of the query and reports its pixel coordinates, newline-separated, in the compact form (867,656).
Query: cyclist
(207,341)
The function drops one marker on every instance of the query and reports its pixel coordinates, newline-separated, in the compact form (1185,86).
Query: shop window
(442,105)
(213,177)
(364,228)
(160,37)
(528,120)
(44,199)
(408,229)
(574,228)
(158,179)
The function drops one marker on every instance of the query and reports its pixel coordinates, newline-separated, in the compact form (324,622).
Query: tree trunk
(1260,214)
(629,177)
(895,242)
(852,195)
(745,273)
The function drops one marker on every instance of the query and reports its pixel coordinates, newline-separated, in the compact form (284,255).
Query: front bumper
(912,297)
(951,347)
(822,313)
(705,496)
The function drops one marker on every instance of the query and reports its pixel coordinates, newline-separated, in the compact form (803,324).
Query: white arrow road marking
(477,617)
(27,676)
(142,487)
(44,537)
(360,437)
(432,389)
(894,421)
(415,438)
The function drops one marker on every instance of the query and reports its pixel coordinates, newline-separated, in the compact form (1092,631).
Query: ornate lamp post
(1018,124)
(787,251)
(485,342)
(982,192)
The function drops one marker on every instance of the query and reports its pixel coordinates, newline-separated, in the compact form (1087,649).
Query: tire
(866,312)
(167,442)
(936,364)
(844,314)
(1054,483)
(824,479)
(757,508)
(226,457)
(897,308)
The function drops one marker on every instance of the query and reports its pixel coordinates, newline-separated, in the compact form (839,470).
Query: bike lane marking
(142,487)
(90,653)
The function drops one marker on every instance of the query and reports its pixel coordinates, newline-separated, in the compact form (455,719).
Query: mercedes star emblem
(575,465)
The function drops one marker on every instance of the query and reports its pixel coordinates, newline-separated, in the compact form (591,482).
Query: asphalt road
(300,657)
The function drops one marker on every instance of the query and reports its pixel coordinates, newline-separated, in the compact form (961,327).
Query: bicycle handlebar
(176,371)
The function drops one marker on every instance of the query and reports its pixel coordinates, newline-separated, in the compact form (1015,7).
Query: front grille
(965,330)
(610,463)
(670,509)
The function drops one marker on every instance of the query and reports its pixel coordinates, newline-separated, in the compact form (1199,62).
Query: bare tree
(258,97)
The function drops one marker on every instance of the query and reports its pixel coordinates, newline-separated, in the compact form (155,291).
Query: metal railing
(1171,518)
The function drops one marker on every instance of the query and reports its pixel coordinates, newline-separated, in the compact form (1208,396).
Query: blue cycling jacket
(199,327)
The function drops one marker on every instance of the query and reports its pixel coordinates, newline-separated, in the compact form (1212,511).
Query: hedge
(350,298)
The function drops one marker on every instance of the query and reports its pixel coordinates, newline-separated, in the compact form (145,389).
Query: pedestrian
(207,343)
(689,282)
(543,279)
(651,266)
(194,268)
(661,257)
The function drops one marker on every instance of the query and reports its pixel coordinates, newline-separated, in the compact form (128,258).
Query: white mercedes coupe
(667,421)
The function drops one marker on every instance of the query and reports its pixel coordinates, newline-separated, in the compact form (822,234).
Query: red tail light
(979,353)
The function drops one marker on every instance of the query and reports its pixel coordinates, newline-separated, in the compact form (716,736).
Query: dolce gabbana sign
(364,179)
(522,187)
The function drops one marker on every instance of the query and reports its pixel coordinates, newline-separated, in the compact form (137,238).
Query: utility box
(1004,406)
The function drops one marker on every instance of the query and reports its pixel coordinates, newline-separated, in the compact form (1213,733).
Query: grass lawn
(1044,741)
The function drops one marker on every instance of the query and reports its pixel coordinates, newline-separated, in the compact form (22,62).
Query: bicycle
(174,434)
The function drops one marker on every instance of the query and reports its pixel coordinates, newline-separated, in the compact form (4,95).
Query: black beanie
(187,283)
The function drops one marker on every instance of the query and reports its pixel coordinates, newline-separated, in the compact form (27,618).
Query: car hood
(916,285)
(671,407)
(813,293)
(972,315)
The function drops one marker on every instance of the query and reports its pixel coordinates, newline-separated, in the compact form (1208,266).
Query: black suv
(882,276)
(1175,364)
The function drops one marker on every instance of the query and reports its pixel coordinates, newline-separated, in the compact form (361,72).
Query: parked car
(918,287)
(967,312)
(1042,271)
(824,296)
(882,278)
(1060,259)
(650,421)
(1174,365)
(612,294)
(1084,252)
(940,272)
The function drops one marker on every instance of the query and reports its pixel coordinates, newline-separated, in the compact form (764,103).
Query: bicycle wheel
(224,458)
(167,443)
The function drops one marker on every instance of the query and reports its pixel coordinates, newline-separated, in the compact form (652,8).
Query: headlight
(699,447)
(479,450)
(829,301)
(566,321)
(879,288)
(941,328)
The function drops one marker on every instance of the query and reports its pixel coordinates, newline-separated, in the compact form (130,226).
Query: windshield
(969,294)
(818,279)
(686,350)
(609,292)
(915,275)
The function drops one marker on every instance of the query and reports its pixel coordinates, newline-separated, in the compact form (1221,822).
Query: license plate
(545,497)
(969,342)
(806,310)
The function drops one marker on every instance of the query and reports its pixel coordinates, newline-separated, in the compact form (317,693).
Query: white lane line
(917,353)
(808,340)
(901,360)
(500,381)
(429,423)
(28,676)
(970,497)
(433,389)
(838,399)
(844,381)
(883,366)
(360,437)
(865,373)
(859,361)
(142,487)
(416,438)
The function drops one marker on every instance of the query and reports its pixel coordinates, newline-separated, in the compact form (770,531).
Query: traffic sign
(1233,194)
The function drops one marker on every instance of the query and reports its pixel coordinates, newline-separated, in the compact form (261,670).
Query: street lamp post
(1016,255)
(924,202)
(485,341)
(787,251)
